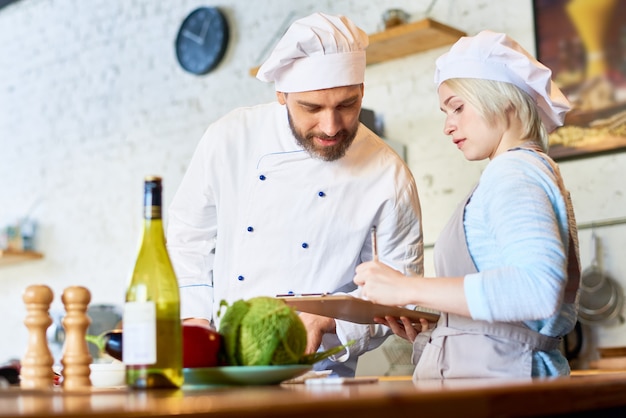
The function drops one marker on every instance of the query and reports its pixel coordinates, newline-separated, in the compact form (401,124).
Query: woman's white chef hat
(317,52)
(495,56)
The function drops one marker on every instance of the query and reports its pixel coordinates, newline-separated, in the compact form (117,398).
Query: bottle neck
(152,200)
(152,213)
(153,233)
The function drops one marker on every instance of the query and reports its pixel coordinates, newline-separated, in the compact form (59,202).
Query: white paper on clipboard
(350,308)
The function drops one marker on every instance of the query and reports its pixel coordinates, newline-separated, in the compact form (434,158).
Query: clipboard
(350,308)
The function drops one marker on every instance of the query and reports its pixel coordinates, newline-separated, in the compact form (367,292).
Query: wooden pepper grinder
(76,358)
(36,371)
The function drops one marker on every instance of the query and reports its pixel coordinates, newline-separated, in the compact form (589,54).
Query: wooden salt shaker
(76,358)
(36,371)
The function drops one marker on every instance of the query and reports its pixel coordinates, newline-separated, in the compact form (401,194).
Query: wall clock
(202,40)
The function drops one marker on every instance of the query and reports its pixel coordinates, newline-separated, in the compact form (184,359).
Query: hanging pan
(601,298)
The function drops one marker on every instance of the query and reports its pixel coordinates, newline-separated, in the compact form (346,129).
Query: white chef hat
(317,52)
(495,56)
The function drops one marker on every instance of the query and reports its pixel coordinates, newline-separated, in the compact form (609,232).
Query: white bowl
(108,374)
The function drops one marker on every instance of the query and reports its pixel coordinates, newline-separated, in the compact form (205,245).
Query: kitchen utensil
(395,17)
(103,317)
(108,374)
(601,298)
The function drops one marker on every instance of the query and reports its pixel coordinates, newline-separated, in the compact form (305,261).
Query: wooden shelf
(406,39)
(410,38)
(11,256)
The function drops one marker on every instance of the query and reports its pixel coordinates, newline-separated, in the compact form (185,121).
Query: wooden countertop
(585,394)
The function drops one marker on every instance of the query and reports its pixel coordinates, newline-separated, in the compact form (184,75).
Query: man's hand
(316,326)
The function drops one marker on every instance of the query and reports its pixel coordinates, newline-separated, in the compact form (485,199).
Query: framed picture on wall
(584,43)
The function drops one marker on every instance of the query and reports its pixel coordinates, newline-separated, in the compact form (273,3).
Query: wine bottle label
(139,347)
(152,212)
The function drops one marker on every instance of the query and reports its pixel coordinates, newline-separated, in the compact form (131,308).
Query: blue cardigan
(517,234)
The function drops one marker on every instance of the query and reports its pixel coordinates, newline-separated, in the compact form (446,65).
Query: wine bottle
(152,349)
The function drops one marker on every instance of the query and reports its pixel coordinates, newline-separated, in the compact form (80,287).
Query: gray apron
(460,347)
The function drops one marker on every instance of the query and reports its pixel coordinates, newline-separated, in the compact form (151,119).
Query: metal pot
(601,298)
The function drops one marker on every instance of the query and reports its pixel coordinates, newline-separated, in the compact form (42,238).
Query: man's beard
(329,153)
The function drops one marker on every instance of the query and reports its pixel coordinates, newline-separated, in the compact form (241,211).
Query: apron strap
(573,261)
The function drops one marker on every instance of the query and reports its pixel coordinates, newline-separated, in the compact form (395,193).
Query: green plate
(243,375)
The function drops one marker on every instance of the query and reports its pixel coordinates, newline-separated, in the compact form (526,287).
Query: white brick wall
(92,99)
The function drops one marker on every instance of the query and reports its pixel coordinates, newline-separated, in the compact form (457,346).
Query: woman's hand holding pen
(382,284)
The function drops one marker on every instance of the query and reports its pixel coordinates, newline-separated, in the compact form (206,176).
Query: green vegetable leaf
(230,328)
(321,355)
(264,330)
(97,340)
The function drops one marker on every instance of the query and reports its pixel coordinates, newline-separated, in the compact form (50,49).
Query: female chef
(507,262)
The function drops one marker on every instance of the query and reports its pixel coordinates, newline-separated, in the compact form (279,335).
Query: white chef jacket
(256,214)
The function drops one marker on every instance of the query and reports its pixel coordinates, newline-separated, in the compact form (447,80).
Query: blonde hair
(494,99)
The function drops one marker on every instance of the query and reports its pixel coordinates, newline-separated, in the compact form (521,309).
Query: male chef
(280,198)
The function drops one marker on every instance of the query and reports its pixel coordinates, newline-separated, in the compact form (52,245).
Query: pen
(296,295)
(374,244)
(340,380)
